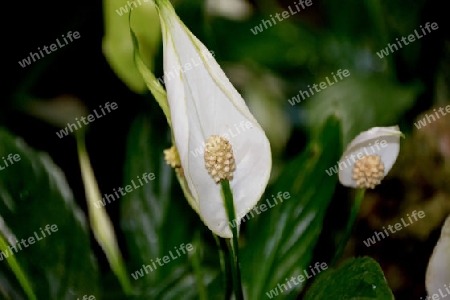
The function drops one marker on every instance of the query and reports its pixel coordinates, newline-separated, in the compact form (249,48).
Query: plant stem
(348,230)
(233,245)
(225,265)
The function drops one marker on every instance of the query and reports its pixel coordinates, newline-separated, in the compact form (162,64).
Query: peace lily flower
(209,116)
(438,271)
(369,157)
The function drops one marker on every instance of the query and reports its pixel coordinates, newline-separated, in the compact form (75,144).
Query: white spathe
(370,142)
(438,271)
(203,103)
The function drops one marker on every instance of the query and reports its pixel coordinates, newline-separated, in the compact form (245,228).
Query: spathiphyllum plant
(220,187)
(209,116)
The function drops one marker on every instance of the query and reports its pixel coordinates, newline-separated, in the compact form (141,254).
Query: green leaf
(16,269)
(156,219)
(117,44)
(101,224)
(282,239)
(358,278)
(34,193)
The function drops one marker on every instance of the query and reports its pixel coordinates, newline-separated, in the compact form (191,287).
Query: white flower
(203,103)
(369,157)
(438,271)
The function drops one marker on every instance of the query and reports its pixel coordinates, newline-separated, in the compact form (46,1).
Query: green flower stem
(225,264)
(233,245)
(351,221)
(15,267)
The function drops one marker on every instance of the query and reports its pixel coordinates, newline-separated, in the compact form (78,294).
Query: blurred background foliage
(268,69)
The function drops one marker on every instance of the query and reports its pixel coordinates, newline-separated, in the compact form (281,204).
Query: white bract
(203,103)
(438,271)
(369,157)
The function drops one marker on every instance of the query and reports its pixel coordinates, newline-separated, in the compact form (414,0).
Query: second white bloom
(369,157)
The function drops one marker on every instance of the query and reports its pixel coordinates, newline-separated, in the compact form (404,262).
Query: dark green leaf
(358,279)
(281,241)
(34,193)
(157,220)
